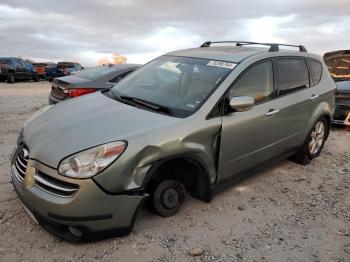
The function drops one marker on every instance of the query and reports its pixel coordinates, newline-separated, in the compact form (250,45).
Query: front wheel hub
(317,137)
(170,198)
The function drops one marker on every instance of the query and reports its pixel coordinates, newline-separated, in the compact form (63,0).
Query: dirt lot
(287,213)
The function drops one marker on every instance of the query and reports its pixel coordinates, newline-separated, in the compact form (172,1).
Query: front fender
(129,172)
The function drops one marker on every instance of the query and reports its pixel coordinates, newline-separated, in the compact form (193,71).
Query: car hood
(84,122)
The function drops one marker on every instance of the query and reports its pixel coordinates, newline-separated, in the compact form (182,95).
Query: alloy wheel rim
(316,137)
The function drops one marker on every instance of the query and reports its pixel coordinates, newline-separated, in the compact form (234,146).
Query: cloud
(87,29)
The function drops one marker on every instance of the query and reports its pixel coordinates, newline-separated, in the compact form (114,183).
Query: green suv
(193,120)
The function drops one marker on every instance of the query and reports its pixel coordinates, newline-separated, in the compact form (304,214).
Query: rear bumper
(91,211)
(344,120)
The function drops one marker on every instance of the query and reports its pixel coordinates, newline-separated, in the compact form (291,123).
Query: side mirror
(242,103)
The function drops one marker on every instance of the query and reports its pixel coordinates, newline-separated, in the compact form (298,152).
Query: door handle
(272,112)
(313,97)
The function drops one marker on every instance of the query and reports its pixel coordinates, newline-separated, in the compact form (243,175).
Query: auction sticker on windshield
(223,64)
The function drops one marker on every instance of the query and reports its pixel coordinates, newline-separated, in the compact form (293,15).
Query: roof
(233,54)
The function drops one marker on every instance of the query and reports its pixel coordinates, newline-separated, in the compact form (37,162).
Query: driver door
(20,69)
(249,138)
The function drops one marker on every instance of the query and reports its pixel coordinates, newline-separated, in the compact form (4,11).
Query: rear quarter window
(118,78)
(292,75)
(315,68)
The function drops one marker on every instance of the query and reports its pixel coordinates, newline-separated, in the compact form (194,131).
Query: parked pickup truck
(40,69)
(13,69)
(62,69)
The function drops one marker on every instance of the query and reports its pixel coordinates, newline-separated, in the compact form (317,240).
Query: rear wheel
(35,78)
(316,139)
(314,143)
(10,78)
(168,197)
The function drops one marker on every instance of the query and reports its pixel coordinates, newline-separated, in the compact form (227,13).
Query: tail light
(80,91)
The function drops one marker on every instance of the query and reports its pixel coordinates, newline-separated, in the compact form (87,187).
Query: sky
(88,30)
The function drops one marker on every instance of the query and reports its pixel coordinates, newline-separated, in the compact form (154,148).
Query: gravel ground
(286,213)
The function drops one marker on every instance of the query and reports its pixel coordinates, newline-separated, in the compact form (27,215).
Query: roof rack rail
(274,47)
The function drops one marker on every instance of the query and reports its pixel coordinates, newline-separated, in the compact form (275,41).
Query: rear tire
(35,78)
(10,78)
(314,143)
(168,197)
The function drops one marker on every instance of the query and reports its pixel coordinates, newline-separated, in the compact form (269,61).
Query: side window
(292,75)
(257,82)
(16,63)
(21,63)
(315,68)
(118,78)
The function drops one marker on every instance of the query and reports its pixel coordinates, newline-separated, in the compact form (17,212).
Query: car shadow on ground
(337,127)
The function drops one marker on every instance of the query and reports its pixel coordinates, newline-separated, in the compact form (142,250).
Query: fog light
(75,232)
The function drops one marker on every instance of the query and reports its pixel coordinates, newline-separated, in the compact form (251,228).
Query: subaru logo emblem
(25,152)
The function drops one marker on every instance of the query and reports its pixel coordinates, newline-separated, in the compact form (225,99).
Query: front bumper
(93,212)
(342,113)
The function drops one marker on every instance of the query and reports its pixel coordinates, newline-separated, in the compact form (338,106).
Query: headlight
(89,162)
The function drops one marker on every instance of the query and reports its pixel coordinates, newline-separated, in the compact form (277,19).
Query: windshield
(65,65)
(51,66)
(180,84)
(95,73)
(5,61)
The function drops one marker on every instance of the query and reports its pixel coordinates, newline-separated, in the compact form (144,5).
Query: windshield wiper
(147,104)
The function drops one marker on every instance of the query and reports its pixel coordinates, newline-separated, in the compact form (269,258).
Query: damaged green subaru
(194,121)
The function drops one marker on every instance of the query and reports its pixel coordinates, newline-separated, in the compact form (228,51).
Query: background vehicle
(195,120)
(40,69)
(88,81)
(50,71)
(62,69)
(338,63)
(13,69)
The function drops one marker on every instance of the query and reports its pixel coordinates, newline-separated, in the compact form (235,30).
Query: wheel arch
(323,110)
(190,170)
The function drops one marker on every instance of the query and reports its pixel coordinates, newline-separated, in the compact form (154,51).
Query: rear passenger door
(294,97)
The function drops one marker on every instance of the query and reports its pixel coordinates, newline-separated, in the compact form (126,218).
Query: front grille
(20,163)
(45,182)
(54,186)
(343,107)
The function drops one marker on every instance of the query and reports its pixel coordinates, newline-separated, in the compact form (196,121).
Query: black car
(342,101)
(88,81)
(13,69)
(338,63)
